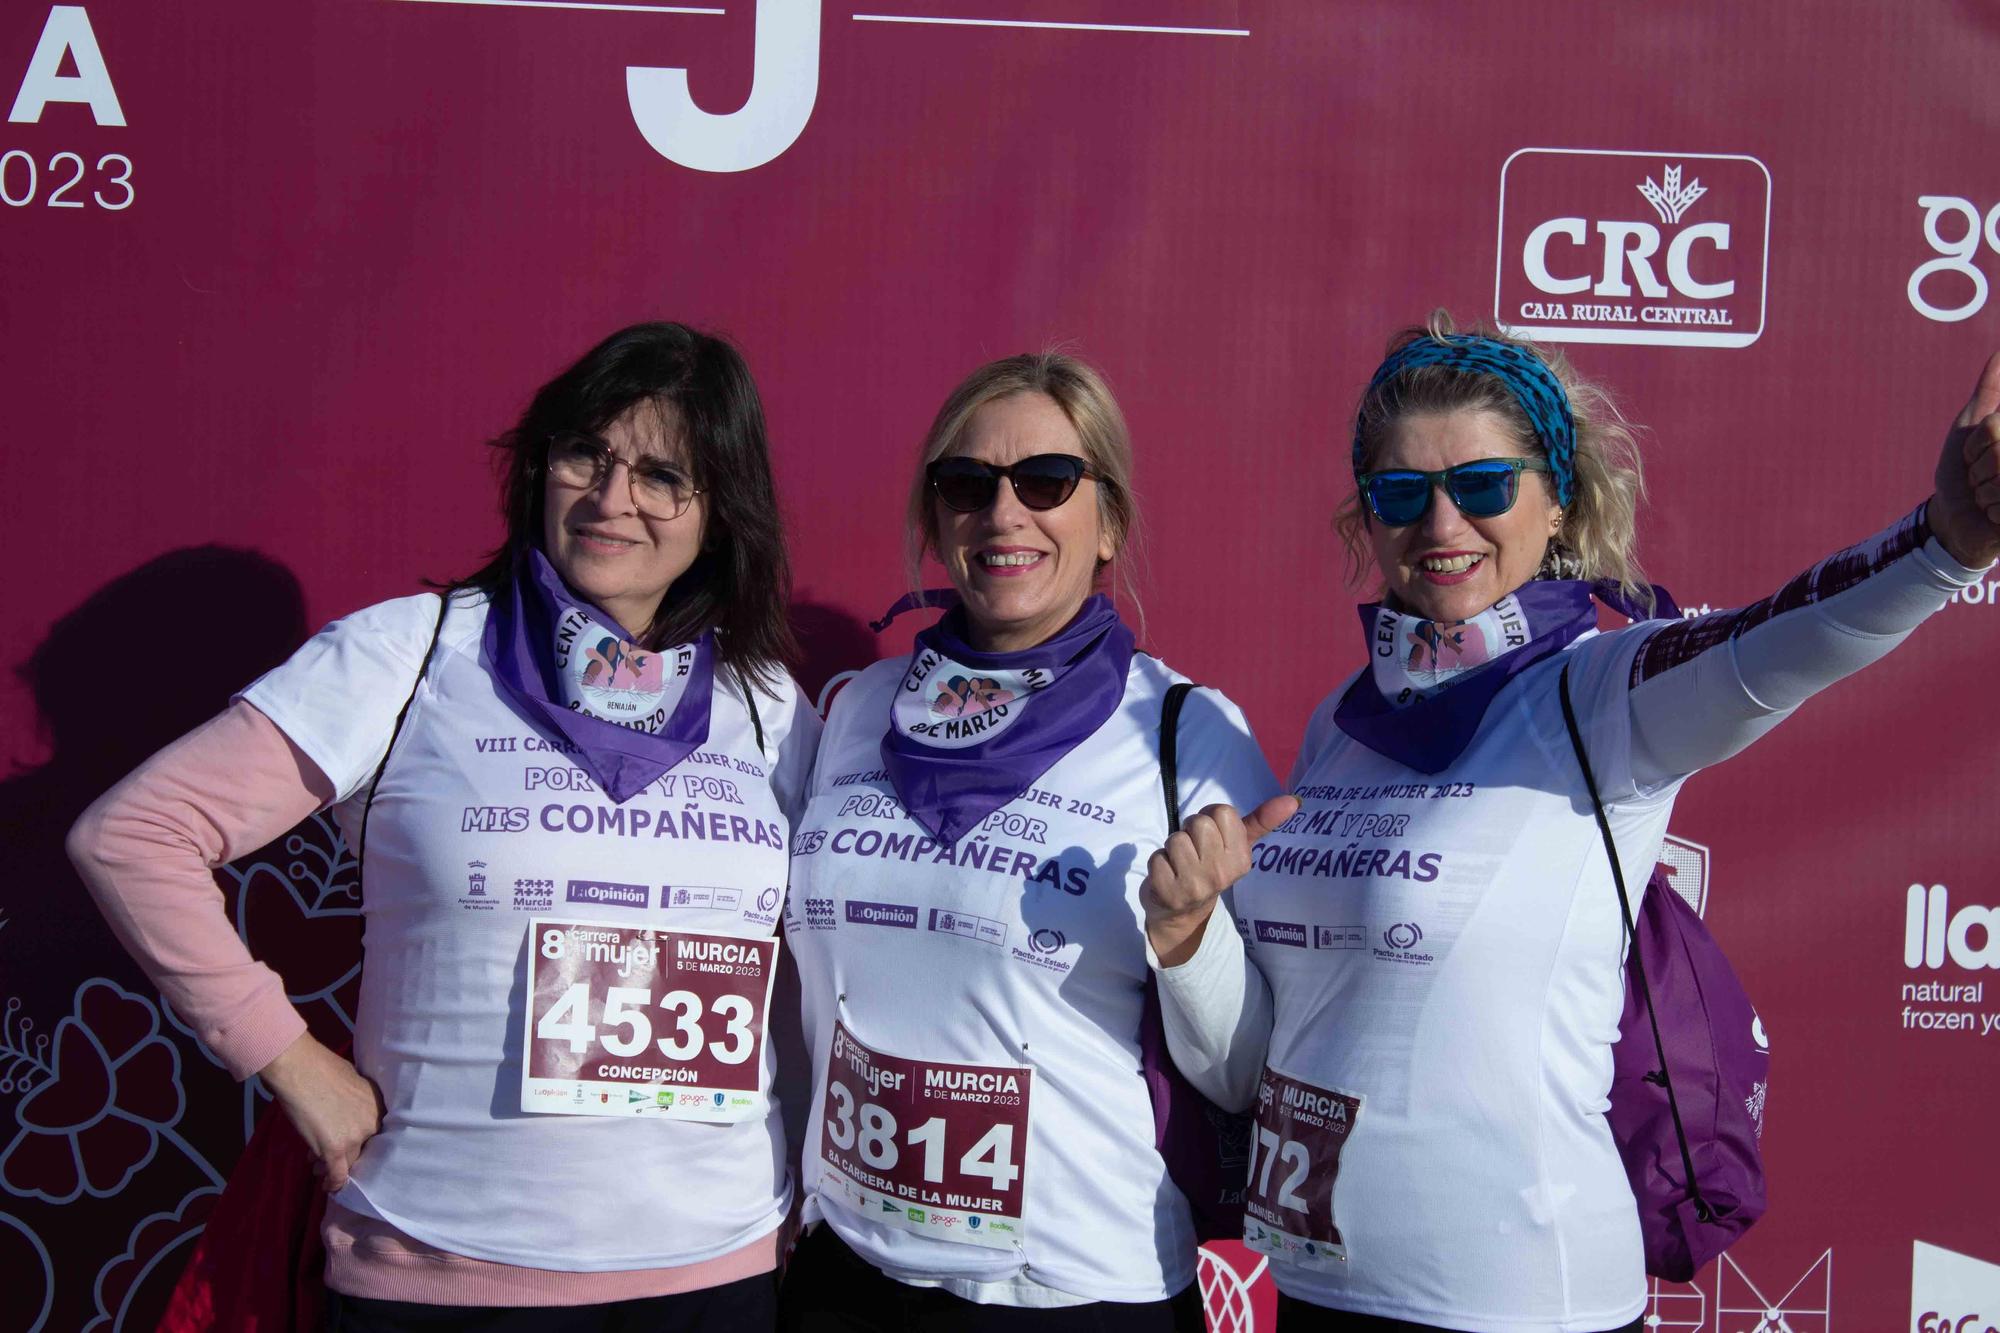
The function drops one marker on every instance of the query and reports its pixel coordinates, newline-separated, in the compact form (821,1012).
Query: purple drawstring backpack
(1687,1123)
(1206,1149)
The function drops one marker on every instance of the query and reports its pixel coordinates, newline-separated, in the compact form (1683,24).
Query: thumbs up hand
(1184,878)
(1965,511)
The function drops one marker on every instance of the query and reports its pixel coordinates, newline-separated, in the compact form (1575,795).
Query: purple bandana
(971,731)
(1442,677)
(568,667)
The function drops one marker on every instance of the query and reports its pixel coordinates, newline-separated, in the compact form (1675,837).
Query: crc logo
(1932,931)
(1046,940)
(1954,256)
(1403,935)
(1620,247)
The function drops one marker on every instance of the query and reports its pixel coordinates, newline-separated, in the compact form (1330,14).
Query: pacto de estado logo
(1952,947)
(1954,256)
(1627,247)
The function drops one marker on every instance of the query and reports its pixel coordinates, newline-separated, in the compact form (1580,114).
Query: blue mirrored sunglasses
(1483,488)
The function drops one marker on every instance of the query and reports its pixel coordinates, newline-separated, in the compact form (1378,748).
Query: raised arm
(1702,690)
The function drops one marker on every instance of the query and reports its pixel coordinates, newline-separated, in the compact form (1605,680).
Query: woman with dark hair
(1433,1149)
(520,763)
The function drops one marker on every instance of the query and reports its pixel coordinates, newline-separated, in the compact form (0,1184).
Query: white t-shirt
(1447,947)
(1460,935)
(481,822)
(1034,958)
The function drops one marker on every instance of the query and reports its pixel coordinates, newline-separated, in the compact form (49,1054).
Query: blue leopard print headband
(1532,383)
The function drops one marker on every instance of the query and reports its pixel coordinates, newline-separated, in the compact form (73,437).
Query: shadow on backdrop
(830,641)
(114,1128)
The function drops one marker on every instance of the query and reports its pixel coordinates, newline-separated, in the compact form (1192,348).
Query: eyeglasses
(1483,488)
(582,462)
(1040,481)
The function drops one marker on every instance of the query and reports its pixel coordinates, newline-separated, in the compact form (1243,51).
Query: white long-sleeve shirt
(1446,948)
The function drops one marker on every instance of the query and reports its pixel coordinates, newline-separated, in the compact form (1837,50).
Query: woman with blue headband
(1438,923)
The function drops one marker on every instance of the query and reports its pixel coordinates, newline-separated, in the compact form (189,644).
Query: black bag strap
(1170,718)
(1632,959)
(749,688)
(423,669)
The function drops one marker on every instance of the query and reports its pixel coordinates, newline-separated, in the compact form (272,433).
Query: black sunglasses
(1040,481)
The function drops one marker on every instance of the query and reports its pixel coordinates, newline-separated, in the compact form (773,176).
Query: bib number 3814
(1295,1150)
(937,1149)
(629,1020)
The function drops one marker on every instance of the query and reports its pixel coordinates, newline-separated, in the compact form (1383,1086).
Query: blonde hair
(1599,524)
(1085,400)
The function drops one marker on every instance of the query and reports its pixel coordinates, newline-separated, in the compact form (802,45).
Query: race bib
(937,1149)
(1294,1162)
(632,1020)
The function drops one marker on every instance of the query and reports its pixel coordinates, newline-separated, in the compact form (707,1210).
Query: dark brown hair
(740,584)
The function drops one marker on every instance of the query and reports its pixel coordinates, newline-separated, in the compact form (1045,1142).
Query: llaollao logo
(1933,932)
(1668,249)
(1403,935)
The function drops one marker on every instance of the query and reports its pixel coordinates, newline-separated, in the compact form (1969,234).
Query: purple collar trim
(970,731)
(560,661)
(1430,731)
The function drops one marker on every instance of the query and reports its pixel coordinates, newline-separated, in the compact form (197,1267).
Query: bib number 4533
(631,1020)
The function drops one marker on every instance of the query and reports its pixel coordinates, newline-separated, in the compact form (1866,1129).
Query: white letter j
(784,81)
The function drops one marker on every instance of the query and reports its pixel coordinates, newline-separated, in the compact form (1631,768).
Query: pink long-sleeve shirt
(146,850)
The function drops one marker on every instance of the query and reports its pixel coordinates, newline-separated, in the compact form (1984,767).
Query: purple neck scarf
(1439,679)
(628,713)
(971,731)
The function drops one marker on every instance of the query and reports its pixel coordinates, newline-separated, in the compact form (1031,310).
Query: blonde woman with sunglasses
(966,909)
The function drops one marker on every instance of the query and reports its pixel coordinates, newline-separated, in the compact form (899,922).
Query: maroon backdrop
(274,272)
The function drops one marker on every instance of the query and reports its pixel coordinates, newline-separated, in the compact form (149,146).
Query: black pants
(1296,1316)
(831,1289)
(746,1306)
